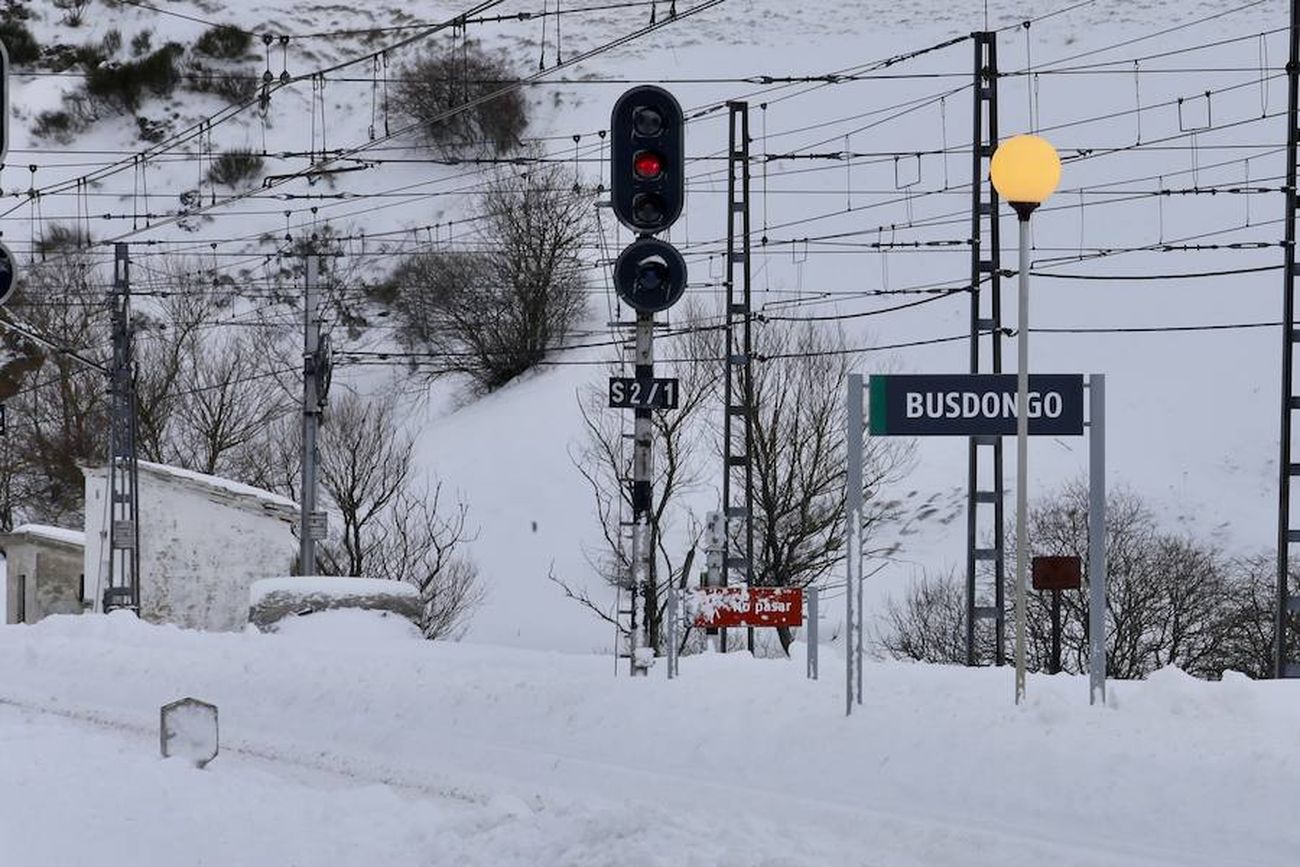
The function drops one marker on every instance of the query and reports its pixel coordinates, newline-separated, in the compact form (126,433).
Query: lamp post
(1025,171)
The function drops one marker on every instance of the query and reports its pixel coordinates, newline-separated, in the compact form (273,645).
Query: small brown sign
(1058,573)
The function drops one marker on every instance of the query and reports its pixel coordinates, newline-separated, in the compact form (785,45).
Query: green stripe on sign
(877,423)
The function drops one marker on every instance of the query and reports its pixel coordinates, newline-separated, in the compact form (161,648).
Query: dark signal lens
(648,165)
(647,121)
(648,209)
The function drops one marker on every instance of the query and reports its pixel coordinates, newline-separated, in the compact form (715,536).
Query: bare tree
(800,459)
(392,527)
(604,460)
(1246,641)
(165,343)
(365,466)
(420,546)
(57,418)
(1169,597)
(495,311)
(227,405)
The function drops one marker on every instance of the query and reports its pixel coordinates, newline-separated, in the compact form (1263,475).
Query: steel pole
(853,543)
(1022,449)
(1097,538)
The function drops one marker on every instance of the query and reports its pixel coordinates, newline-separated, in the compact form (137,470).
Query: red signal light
(647,165)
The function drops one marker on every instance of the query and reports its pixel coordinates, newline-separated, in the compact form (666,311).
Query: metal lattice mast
(1288,605)
(738,420)
(985,475)
(308,529)
(123,590)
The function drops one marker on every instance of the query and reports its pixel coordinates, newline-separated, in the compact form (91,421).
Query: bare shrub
(225,42)
(430,89)
(235,168)
(494,314)
(1171,599)
(123,86)
(19,42)
(929,624)
(74,11)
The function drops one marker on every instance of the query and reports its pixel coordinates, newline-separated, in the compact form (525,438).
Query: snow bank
(348,627)
(738,762)
(329,585)
(275,601)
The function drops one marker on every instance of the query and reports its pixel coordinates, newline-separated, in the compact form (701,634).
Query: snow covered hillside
(378,750)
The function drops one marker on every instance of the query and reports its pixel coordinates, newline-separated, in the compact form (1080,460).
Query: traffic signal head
(650,275)
(648,174)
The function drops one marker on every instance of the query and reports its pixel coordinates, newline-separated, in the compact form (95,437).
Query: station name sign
(973,405)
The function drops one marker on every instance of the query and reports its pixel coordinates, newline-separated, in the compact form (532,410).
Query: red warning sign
(721,607)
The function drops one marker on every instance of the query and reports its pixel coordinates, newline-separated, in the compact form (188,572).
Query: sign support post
(853,547)
(811,636)
(670,632)
(1097,539)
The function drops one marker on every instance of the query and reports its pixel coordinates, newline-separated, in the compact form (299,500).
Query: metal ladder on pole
(625,599)
(1287,614)
(985,492)
(738,420)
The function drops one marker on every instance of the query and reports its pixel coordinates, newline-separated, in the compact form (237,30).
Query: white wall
(199,552)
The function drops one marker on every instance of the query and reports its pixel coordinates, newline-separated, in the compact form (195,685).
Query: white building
(42,572)
(203,541)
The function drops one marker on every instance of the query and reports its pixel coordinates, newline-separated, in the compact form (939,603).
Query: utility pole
(1288,604)
(311,525)
(738,373)
(123,590)
(853,520)
(985,492)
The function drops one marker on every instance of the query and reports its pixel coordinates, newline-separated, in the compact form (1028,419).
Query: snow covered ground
(388,751)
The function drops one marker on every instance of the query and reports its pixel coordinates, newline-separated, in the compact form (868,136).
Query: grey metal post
(671,632)
(811,632)
(1022,451)
(853,545)
(1288,604)
(310,417)
(1097,538)
(641,500)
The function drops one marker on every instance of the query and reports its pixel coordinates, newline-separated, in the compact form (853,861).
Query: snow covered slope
(504,757)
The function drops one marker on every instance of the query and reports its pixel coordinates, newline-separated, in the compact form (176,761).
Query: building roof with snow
(47,533)
(215,488)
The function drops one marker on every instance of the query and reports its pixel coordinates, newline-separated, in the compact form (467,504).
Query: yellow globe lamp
(1025,171)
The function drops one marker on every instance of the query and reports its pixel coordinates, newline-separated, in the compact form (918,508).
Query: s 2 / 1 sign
(720,607)
(628,393)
